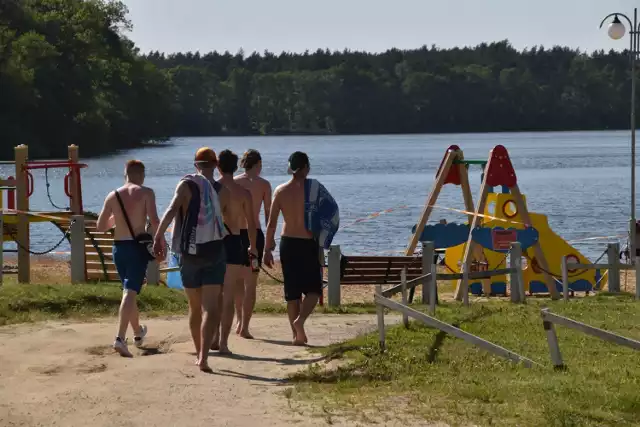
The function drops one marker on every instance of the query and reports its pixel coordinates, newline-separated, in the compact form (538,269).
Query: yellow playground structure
(500,218)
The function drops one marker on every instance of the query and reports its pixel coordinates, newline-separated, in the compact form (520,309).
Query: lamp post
(616,32)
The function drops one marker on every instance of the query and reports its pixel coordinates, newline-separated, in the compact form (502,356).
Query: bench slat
(380,271)
(365,281)
(383,265)
(393,259)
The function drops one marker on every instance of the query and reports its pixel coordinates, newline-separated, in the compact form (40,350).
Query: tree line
(69,74)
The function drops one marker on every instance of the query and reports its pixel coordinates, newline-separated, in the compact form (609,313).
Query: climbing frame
(499,172)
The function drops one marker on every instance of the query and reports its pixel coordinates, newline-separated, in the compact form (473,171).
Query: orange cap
(206,154)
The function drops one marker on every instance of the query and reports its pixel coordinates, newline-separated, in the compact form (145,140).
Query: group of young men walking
(220,245)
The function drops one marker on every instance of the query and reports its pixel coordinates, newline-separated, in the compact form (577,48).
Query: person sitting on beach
(237,214)
(197,238)
(128,208)
(311,219)
(260,190)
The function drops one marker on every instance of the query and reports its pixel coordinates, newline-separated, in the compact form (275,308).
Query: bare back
(236,209)
(140,204)
(260,190)
(289,198)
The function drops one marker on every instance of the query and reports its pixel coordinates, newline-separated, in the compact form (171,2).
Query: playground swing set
(74,223)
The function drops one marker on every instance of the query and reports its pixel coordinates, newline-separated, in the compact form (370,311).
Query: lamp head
(616,29)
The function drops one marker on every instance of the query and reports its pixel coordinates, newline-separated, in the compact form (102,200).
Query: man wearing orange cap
(197,238)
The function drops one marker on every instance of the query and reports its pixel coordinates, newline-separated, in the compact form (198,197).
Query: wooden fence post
(403,283)
(565,278)
(78,270)
(432,280)
(613,252)
(22,204)
(153,273)
(1,243)
(637,279)
(552,340)
(465,285)
(380,312)
(515,261)
(333,289)
(428,252)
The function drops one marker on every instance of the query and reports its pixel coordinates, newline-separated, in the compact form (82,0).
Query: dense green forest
(69,74)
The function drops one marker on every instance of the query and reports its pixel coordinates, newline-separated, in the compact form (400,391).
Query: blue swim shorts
(131,263)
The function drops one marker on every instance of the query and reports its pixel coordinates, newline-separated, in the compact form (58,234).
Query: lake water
(581,180)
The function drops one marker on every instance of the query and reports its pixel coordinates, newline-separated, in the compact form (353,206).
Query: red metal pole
(11,196)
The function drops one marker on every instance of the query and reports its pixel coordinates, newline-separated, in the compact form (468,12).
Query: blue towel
(322,215)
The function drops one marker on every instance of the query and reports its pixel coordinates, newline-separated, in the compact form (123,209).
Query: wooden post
(428,207)
(565,279)
(380,312)
(515,259)
(78,270)
(153,273)
(552,340)
(613,251)
(433,291)
(403,283)
(428,252)
(333,289)
(1,244)
(74,182)
(637,279)
(462,287)
(22,205)
(539,255)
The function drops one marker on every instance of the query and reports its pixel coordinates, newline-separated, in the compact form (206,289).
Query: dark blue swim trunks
(131,263)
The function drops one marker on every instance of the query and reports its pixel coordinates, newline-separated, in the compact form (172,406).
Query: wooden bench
(370,270)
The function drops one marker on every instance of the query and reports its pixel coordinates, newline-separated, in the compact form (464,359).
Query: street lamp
(616,31)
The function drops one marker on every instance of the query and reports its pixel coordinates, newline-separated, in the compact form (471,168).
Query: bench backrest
(373,270)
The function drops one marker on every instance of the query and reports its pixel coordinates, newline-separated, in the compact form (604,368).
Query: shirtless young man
(299,251)
(260,190)
(129,256)
(238,214)
(198,238)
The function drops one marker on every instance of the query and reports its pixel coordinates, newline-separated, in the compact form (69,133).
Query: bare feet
(246,335)
(300,337)
(215,345)
(238,329)
(224,349)
(204,367)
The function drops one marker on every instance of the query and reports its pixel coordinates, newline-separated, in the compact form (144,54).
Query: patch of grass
(436,377)
(37,302)
(28,303)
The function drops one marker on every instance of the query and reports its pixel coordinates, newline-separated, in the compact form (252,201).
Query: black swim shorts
(235,249)
(259,243)
(301,267)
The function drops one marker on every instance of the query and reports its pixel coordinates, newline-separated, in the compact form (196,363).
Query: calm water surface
(579,179)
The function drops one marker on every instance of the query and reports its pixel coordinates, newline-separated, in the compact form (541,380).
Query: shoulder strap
(124,212)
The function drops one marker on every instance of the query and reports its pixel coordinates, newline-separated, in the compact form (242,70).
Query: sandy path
(66,374)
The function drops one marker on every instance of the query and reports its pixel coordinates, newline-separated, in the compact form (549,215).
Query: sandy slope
(66,374)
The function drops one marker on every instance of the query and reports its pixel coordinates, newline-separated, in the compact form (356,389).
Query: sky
(370,25)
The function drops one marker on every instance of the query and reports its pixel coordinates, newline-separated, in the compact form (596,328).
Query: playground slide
(502,207)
